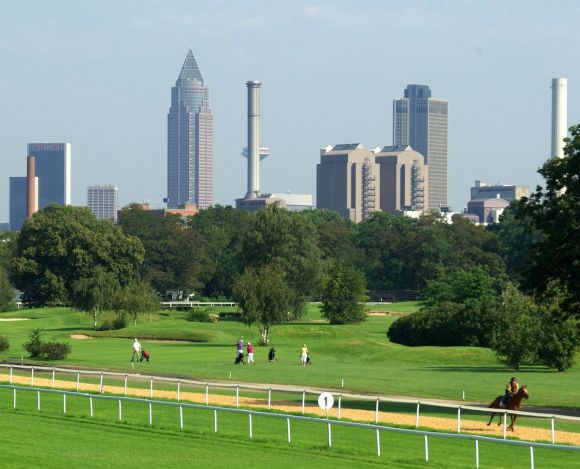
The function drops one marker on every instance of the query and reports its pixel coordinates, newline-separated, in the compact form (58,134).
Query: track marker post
(289,434)
(269,398)
(150,413)
(14,397)
(126,377)
(32,377)
(505,424)
(120,411)
(426,449)
(329,436)
(178,390)
(64,403)
(339,404)
(378,443)
(215,420)
(459,419)
(377,411)
(78,380)
(417,418)
(250,425)
(38,399)
(11,375)
(237,395)
(53,378)
(151,388)
(181,417)
(303,401)
(206,394)
(553,431)
(531,457)
(91,405)
(476,453)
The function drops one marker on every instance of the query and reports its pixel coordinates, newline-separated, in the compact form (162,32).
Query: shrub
(120,322)
(34,344)
(54,350)
(198,315)
(4,344)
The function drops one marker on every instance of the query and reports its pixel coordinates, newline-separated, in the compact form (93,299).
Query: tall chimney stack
(253,139)
(559,116)
(31,187)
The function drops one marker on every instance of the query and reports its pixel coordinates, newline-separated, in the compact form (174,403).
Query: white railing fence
(289,418)
(269,389)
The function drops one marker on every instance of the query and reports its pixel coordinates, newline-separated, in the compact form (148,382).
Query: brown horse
(515,403)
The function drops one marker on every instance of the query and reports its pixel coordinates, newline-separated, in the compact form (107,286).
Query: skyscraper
(53,169)
(421,122)
(18,202)
(103,201)
(189,140)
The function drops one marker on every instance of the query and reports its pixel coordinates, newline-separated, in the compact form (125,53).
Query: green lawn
(49,439)
(361,355)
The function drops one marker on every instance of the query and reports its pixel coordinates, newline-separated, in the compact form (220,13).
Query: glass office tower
(421,122)
(53,169)
(189,140)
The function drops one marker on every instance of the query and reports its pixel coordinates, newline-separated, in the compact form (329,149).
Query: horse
(515,403)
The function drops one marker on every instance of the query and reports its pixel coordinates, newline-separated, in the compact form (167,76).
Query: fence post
(476,454)
(125,385)
(178,391)
(378,443)
(150,413)
(32,377)
(91,404)
(303,401)
(289,434)
(120,411)
(151,388)
(553,431)
(531,457)
(269,398)
(14,393)
(101,389)
(53,378)
(38,399)
(64,403)
(206,393)
(215,421)
(329,436)
(181,417)
(339,405)
(417,419)
(459,419)
(426,449)
(78,380)
(377,412)
(504,424)
(10,374)
(237,395)
(251,434)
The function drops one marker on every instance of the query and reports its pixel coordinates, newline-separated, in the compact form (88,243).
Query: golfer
(303,355)
(136,351)
(251,353)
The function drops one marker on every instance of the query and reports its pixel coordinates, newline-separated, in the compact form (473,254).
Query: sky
(98,74)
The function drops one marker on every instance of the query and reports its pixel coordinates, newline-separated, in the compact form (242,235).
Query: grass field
(50,439)
(361,355)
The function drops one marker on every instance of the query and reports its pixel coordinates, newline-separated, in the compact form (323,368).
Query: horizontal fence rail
(288,417)
(268,389)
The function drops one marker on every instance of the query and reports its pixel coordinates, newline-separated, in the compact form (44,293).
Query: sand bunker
(14,319)
(80,336)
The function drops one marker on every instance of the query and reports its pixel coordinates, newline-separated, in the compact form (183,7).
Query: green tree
(95,294)
(7,292)
(517,329)
(264,297)
(288,241)
(62,244)
(136,298)
(555,211)
(343,295)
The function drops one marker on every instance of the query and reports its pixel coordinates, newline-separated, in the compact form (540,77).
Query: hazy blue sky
(98,74)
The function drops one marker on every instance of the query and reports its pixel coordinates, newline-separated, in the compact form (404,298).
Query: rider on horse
(511,388)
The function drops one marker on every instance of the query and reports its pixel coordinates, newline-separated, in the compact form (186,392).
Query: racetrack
(437,423)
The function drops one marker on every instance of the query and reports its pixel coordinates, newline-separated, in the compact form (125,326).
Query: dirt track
(439,423)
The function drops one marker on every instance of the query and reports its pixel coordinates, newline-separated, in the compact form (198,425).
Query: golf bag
(240,359)
(144,355)
(272,355)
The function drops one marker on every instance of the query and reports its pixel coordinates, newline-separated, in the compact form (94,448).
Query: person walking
(303,355)
(136,351)
(251,353)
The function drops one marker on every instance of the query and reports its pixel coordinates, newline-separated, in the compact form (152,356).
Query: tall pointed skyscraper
(421,121)
(189,140)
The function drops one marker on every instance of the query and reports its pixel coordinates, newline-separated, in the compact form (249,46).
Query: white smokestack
(559,116)
(253,139)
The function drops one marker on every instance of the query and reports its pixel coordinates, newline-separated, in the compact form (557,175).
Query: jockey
(511,388)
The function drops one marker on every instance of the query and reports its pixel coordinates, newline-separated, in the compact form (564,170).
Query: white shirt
(136,346)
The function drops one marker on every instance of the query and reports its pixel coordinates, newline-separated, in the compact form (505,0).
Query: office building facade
(507,192)
(422,122)
(190,140)
(53,170)
(403,176)
(103,200)
(18,201)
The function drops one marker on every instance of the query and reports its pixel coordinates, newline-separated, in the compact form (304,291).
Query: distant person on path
(511,388)
(136,351)
(303,355)
(241,346)
(251,353)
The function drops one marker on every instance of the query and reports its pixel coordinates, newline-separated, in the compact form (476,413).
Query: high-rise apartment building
(189,140)
(103,201)
(421,122)
(53,169)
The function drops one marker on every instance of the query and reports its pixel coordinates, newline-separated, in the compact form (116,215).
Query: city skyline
(481,62)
